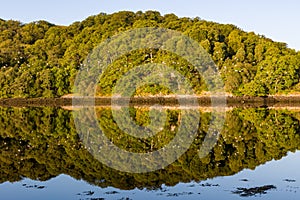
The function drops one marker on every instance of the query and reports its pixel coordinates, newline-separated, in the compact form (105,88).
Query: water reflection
(42,143)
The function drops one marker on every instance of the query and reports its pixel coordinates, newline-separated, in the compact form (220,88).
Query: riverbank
(231,101)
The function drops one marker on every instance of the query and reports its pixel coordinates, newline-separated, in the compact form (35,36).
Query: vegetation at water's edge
(41,59)
(41,143)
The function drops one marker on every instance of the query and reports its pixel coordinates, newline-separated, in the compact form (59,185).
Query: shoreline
(205,101)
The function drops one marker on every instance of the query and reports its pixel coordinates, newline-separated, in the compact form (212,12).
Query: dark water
(45,155)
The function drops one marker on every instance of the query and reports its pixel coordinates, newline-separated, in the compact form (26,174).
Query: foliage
(40,59)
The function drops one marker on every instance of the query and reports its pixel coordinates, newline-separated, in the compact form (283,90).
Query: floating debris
(33,186)
(289,180)
(86,193)
(179,194)
(111,192)
(125,198)
(209,185)
(193,185)
(247,192)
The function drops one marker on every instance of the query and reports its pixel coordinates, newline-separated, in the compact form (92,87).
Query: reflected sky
(281,173)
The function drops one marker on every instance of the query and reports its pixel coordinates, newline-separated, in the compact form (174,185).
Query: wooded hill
(41,59)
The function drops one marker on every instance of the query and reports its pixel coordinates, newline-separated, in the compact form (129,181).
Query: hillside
(41,59)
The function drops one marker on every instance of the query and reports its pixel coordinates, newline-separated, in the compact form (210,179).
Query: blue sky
(278,20)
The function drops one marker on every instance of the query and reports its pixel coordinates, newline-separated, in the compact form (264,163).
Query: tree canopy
(40,59)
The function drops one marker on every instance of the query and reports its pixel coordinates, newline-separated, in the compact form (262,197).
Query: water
(45,155)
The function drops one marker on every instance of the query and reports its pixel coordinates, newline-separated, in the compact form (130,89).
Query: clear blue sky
(278,20)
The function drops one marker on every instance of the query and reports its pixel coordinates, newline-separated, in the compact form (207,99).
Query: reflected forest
(42,143)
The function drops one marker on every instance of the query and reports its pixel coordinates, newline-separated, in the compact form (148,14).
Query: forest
(40,59)
(42,143)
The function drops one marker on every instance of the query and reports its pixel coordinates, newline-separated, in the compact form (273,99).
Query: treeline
(41,143)
(41,59)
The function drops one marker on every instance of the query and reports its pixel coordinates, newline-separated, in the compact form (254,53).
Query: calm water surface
(45,156)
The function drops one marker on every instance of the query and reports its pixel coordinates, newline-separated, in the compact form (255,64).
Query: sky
(278,20)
